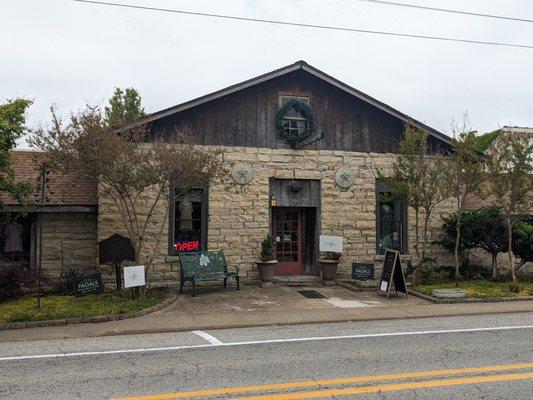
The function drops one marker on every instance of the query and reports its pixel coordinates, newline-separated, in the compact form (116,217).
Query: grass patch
(481,288)
(25,308)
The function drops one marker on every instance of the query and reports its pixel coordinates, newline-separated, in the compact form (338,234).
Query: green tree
(125,106)
(483,229)
(417,177)
(523,240)
(135,172)
(12,128)
(510,170)
(464,177)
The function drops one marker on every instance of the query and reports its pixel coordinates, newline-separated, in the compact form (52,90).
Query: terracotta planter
(329,269)
(266,270)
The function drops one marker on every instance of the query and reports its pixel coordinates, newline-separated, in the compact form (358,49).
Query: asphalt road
(475,357)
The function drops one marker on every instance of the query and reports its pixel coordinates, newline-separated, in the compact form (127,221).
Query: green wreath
(295,137)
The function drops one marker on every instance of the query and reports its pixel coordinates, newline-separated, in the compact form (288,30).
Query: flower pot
(329,269)
(266,271)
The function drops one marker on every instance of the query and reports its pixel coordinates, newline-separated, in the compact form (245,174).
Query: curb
(468,300)
(208,327)
(96,319)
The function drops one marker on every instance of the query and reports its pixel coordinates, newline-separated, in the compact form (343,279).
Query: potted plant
(329,262)
(267,263)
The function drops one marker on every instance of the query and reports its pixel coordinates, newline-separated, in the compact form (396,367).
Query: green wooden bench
(205,266)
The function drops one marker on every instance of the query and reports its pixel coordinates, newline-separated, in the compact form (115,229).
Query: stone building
(68,218)
(304,149)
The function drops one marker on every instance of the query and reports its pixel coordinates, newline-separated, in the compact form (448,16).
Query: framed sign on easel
(392,272)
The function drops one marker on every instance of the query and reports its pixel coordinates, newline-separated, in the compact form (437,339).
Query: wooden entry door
(287,235)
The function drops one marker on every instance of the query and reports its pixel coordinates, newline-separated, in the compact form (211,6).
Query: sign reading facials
(134,276)
(330,243)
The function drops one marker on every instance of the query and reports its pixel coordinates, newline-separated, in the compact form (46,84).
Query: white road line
(269,341)
(210,338)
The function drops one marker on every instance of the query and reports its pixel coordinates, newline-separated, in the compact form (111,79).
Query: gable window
(189,221)
(391,220)
(293,121)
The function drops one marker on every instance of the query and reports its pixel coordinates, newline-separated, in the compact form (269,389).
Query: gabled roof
(299,65)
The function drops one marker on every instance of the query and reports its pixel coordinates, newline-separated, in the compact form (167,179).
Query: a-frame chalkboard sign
(392,272)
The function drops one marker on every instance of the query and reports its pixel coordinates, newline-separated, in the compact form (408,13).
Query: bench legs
(193,283)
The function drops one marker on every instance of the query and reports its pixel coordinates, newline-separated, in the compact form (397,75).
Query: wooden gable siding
(247,118)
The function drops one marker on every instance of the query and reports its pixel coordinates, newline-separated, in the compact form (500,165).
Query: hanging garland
(293,137)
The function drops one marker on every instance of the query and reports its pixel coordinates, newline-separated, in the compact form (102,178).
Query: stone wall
(69,242)
(239,217)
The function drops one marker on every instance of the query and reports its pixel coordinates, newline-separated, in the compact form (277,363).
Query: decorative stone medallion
(344,177)
(242,174)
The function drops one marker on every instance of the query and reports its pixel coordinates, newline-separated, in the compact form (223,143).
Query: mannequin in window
(13,233)
(391,240)
(185,208)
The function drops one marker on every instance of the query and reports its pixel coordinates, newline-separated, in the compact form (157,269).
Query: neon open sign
(187,245)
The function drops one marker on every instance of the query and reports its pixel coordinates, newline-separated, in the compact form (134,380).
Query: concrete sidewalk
(216,308)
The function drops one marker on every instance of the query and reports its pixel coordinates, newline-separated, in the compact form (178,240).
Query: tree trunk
(137,248)
(494,265)
(510,247)
(416,275)
(456,249)
(425,235)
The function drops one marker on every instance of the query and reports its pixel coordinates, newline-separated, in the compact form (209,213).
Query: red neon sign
(188,245)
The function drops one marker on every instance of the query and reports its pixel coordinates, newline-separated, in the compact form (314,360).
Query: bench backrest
(203,264)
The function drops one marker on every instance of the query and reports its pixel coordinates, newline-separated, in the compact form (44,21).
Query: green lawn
(481,288)
(59,307)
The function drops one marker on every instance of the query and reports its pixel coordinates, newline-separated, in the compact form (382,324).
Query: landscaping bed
(69,309)
(477,290)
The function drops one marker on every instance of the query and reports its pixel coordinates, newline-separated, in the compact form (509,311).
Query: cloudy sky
(67,53)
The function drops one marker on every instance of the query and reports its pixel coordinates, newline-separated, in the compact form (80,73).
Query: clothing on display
(13,233)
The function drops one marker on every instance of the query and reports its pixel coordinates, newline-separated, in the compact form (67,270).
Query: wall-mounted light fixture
(295,185)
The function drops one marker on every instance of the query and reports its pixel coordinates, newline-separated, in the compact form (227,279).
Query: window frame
(172,213)
(383,187)
(293,119)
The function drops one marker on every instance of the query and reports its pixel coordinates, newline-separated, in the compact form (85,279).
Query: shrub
(436,274)
(267,252)
(514,287)
(66,281)
(13,280)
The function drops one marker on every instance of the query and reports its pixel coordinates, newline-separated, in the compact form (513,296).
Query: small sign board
(330,243)
(362,270)
(392,272)
(87,284)
(134,276)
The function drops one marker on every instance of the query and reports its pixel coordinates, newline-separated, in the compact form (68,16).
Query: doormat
(311,294)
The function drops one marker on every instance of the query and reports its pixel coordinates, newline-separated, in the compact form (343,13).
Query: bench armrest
(237,269)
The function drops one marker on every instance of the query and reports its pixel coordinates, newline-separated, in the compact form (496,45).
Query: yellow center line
(326,382)
(394,387)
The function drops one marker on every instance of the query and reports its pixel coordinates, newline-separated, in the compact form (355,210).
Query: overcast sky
(66,53)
